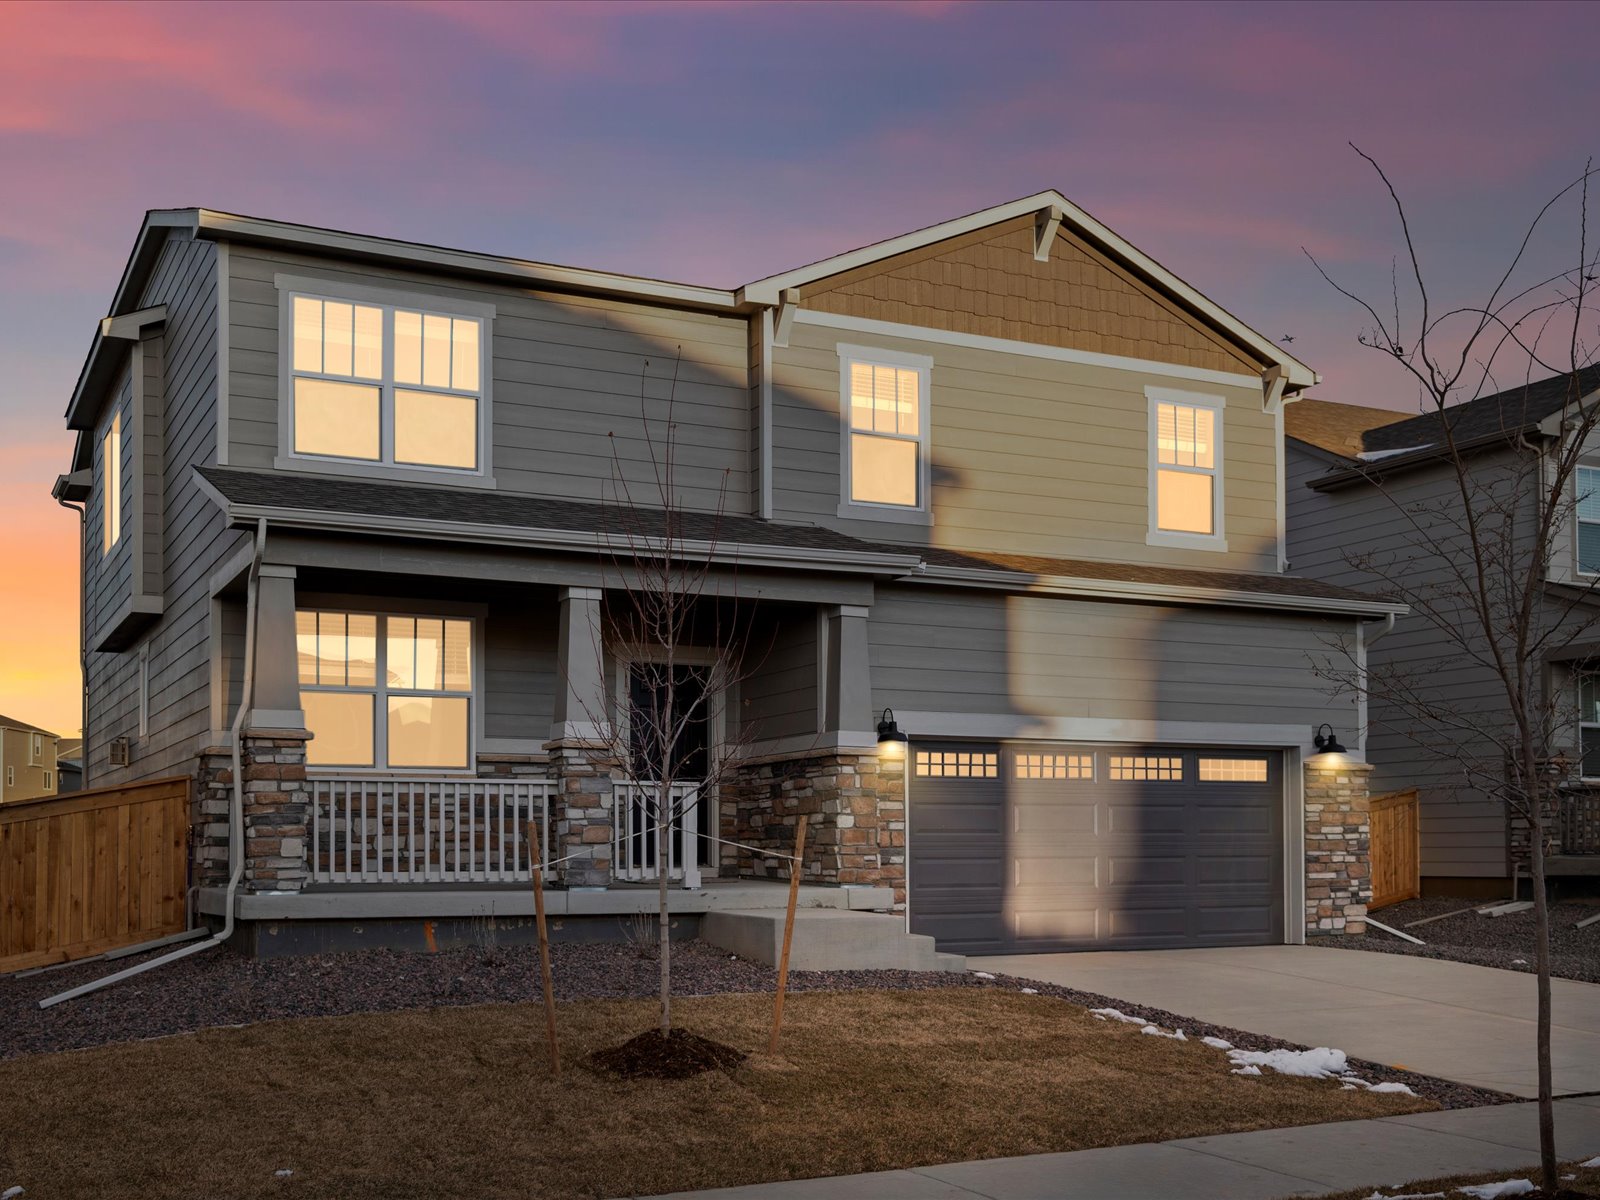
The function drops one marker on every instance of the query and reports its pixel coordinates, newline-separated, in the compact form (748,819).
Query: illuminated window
(1055,766)
(111,474)
(382,383)
(1136,767)
(958,764)
(386,691)
(1186,458)
(1233,770)
(885,397)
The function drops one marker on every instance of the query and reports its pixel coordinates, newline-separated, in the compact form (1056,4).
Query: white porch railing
(370,830)
(633,833)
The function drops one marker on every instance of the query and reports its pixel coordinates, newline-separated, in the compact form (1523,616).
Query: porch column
(275,702)
(847,701)
(1338,862)
(579,739)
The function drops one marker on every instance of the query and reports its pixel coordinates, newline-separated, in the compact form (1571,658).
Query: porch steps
(827,939)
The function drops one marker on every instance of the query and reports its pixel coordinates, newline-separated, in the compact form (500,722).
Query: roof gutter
(1367,472)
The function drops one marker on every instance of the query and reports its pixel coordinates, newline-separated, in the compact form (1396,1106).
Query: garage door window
(1137,767)
(1233,770)
(957,764)
(1055,766)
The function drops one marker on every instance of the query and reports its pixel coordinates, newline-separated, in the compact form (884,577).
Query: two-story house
(1005,485)
(27,761)
(1372,487)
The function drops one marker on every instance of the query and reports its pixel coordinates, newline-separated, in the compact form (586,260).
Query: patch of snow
(1030,991)
(1593,1162)
(1252,1069)
(11,1193)
(983,975)
(1568,1178)
(1380,455)
(1217,1043)
(1408,1196)
(1519,962)
(1391,1089)
(1176,1034)
(1113,1014)
(1321,1063)
(1494,1191)
(284,1172)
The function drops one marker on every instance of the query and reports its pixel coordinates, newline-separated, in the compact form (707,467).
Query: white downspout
(235,807)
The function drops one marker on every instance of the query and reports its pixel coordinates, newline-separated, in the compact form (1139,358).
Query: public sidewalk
(1309,1160)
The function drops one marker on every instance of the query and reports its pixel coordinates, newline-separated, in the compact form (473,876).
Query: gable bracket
(783,321)
(1273,380)
(1045,223)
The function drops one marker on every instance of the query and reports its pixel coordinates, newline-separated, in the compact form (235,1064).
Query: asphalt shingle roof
(1508,412)
(13,723)
(1335,427)
(358,498)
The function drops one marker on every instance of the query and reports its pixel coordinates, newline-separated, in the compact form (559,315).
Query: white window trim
(111,478)
(321,288)
(1578,522)
(380,690)
(1577,699)
(49,781)
(858,510)
(35,749)
(1217,540)
(11,776)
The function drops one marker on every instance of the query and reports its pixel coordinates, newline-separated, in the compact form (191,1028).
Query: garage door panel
(1155,857)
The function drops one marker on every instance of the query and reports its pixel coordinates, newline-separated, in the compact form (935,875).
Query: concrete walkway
(1469,1024)
(1307,1161)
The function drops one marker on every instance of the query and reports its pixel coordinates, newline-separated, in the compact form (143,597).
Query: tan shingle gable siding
(988,283)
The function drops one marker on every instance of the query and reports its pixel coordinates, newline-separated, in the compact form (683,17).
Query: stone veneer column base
(1338,861)
(855,805)
(277,810)
(581,815)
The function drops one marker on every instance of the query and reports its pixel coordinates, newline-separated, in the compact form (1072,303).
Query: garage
(1041,847)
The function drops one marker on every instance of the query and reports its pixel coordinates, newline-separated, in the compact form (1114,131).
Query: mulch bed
(1506,942)
(221,988)
(677,1054)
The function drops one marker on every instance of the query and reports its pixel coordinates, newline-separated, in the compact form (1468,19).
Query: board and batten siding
(194,541)
(567,375)
(1052,657)
(1030,455)
(1463,832)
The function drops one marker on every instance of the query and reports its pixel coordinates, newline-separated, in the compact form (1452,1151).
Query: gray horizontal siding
(978,652)
(568,374)
(519,669)
(779,697)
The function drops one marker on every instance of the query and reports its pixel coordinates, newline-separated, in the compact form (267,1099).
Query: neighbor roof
(1502,414)
(407,510)
(23,726)
(1333,426)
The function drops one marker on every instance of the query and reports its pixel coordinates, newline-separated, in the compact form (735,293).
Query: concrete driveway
(1470,1024)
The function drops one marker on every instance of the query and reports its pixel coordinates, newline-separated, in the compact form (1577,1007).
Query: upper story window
(1588,483)
(35,749)
(884,397)
(1185,469)
(111,475)
(386,691)
(378,380)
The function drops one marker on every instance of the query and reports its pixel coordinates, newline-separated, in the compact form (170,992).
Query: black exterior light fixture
(891,741)
(1326,743)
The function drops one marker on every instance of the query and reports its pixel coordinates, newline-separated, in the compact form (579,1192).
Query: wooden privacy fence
(1396,848)
(87,872)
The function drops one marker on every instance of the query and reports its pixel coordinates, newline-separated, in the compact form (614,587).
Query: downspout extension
(235,806)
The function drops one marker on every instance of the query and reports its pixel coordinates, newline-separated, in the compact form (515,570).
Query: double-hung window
(1588,484)
(885,408)
(391,385)
(1185,469)
(386,691)
(1589,720)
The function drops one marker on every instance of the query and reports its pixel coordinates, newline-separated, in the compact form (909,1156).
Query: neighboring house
(69,765)
(1373,481)
(1005,476)
(27,761)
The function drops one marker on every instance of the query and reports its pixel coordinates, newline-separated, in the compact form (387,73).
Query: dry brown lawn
(457,1102)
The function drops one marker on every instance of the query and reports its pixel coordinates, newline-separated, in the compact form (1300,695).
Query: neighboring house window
(886,419)
(1589,520)
(386,384)
(111,475)
(11,777)
(35,749)
(1185,467)
(386,691)
(1589,721)
(49,782)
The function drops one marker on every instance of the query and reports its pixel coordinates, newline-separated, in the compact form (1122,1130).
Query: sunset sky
(715,143)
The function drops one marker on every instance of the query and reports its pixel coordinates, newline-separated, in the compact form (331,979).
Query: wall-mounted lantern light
(891,742)
(1326,743)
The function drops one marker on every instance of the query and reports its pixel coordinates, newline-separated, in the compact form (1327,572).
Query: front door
(674,732)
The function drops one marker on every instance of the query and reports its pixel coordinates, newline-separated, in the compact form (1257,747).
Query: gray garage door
(1053,847)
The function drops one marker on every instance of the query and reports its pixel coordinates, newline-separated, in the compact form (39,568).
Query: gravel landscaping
(220,988)
(1505,942)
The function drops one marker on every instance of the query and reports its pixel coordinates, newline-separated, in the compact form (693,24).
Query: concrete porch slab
(383,901)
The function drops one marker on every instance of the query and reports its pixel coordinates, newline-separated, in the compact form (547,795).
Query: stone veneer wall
(277,810)
(1338,846)
(855,802)
(1519,830)
(580,813)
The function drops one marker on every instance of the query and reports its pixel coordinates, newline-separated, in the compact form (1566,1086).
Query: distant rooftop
(12,723)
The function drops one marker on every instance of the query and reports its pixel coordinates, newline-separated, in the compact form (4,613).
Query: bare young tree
(1475,559)
(674,615)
